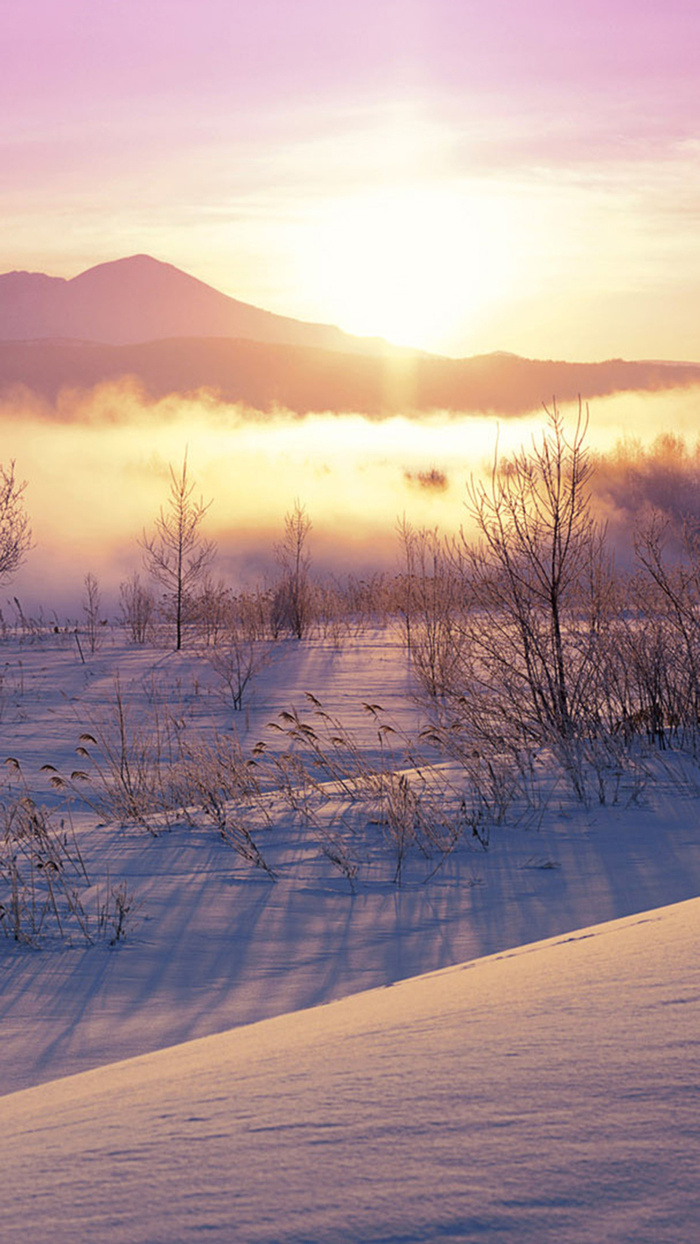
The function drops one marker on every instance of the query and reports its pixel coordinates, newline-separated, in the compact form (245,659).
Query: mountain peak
(142,268)
(139,298)
(143,262)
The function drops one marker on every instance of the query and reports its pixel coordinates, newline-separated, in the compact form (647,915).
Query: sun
(412,264)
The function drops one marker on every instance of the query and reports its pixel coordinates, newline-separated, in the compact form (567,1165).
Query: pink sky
(464,174)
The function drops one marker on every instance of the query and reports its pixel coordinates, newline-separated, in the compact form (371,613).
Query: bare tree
(237,658)
(406,581)
(293,596)
(429,599)
(535,622)
(535,578)
(92,604)
(137,607)
(668,587)
(214,610)
(176,555)
(15,532)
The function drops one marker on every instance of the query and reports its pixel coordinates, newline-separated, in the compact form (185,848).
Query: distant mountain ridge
(138,299)
(266,376)
(171,333)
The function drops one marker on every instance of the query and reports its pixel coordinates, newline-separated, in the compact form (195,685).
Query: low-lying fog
(97,472)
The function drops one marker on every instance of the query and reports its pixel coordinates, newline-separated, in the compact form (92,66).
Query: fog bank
(97,473)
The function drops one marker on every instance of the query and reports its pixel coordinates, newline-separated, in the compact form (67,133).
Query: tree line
(522,630)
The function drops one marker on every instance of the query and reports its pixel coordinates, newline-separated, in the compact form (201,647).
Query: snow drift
(545,1094)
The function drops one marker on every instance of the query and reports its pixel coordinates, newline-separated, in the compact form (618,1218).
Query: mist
(97,470)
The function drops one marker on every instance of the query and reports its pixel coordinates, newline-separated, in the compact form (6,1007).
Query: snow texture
(546,1094)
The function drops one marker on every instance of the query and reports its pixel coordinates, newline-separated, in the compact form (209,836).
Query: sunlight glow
(410,262)
(355,475)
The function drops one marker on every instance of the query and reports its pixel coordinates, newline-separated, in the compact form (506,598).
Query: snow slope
(545,1094)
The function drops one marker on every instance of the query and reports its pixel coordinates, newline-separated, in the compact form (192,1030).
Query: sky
(458,175)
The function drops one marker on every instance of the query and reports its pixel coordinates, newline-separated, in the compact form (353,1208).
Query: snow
(506,1050)
(545,1094)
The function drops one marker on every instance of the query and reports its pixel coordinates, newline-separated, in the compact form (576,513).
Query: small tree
(668,584)
(92,603)
(214,610)
(428,601)
(405,583)
(293,596)
(137,607)
(533,576)
(237,658)
(175,555)
(15,532)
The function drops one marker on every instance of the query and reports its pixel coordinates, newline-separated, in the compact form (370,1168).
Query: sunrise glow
(462,178)
(410,263)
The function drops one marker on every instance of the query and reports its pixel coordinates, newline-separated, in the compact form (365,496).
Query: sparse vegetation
(45,891)
(537,665)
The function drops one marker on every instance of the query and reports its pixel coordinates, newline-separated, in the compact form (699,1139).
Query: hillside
(264,376)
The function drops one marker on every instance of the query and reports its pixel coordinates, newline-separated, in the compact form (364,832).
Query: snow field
(211,1075)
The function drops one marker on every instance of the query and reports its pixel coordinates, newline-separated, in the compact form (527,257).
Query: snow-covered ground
(547,1093)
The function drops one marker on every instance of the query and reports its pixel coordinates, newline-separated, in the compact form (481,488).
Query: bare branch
(15,532)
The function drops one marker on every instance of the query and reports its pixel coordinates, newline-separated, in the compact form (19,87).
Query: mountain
(172,333)
(141,299)
(267,375)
